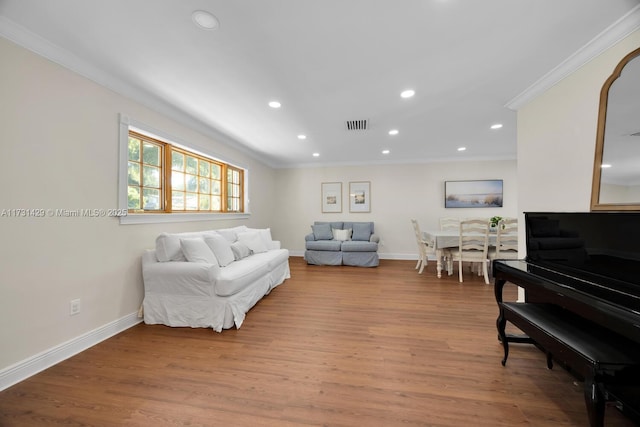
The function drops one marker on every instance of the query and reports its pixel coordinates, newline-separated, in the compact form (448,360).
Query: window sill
(179,217)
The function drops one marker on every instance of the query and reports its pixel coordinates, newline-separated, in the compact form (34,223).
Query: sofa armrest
(309,237)
(374,238)
(178,277)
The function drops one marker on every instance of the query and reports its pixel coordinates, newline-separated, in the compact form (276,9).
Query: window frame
(170,187)
(163,216)
(141,185)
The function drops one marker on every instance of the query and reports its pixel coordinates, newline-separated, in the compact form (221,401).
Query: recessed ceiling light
(408,93)
(462,148)
(393,132)
(605,165)
(385,151)
(274,104)
(301,136)
(496,126)
(316,154)
(205,20)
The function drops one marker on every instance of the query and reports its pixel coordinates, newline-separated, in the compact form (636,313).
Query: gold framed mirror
(616,169)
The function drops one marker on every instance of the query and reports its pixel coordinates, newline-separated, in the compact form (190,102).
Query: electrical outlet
(74,307)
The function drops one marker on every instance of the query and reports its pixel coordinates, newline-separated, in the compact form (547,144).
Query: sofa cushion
(221,248)
(241,274)
(168,244)
(332,224)
(265,233)
(324,245)
(276,257)
(341,234)
(254,241)
(322,231)
(240,250)
(359,246)
(231,234)
(196,250)
(362,231)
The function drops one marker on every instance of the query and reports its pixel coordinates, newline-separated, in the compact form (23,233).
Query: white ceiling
(326,61)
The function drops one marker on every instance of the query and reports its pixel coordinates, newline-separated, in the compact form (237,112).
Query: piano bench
(594,353)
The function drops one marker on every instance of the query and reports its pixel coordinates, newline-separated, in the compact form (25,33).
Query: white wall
(557,134)
(398,193)
(59,150)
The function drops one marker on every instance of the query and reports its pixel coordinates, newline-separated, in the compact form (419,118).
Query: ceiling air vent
(357,124)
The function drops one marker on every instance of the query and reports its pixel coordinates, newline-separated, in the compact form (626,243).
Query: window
(234,190)
(196,182)
(164,178)
(144,184)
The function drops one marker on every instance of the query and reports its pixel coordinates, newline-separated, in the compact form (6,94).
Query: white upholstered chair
(473,246)
(424,249)
(506,240)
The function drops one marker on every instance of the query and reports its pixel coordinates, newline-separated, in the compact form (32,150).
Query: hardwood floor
(332,346)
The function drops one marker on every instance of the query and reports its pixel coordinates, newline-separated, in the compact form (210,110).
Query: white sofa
(210,279)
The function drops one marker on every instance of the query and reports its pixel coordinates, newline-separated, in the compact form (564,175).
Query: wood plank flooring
(332,346)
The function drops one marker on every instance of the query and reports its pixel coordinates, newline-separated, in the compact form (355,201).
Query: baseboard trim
(34,364)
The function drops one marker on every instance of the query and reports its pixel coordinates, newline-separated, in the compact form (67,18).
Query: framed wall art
(360,196)
(331,197)
(473,194)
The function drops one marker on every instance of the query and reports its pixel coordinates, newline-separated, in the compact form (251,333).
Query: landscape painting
(473,194)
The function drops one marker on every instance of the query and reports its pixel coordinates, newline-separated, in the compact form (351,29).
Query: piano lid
(600,249)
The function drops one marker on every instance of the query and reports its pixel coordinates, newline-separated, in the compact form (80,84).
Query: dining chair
(424,248)
(449,223)
(506,240)
(473,246)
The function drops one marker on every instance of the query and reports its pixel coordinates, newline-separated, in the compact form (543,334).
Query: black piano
(581,279)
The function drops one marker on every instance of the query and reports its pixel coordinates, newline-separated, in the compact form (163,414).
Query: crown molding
(600,43)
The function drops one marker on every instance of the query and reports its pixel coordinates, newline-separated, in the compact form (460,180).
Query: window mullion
(224,189)
(166,172)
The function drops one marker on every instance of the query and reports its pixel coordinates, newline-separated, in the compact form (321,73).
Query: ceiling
(327,62)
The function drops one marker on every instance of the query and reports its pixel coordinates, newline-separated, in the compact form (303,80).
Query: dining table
(440,240)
